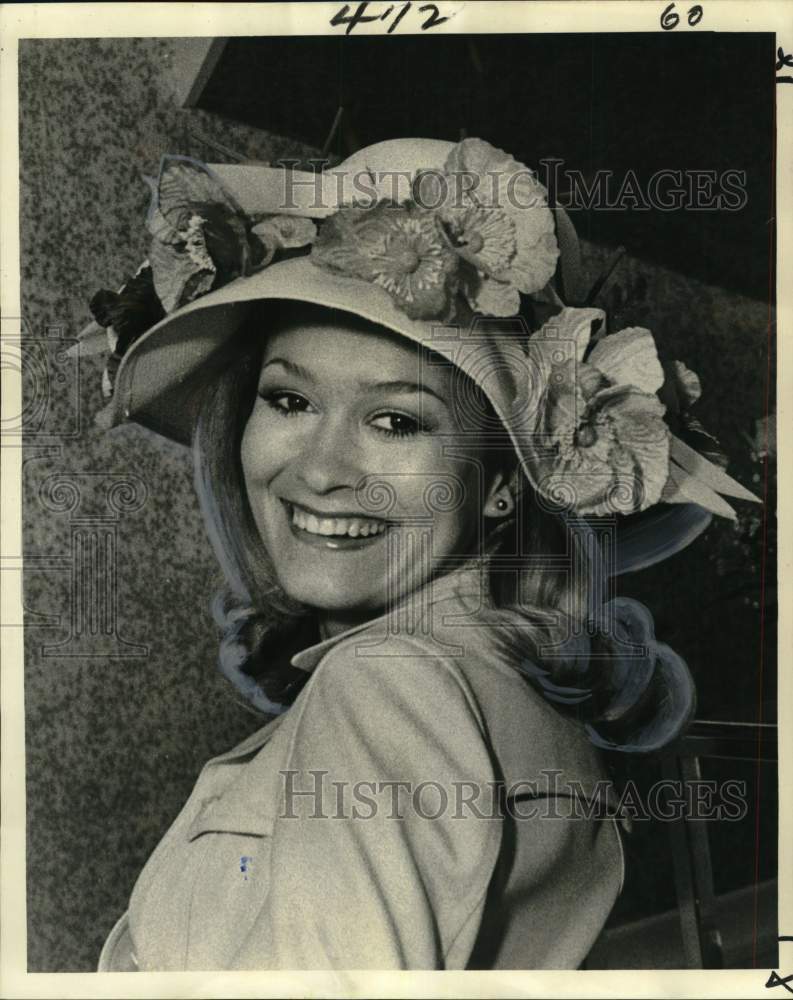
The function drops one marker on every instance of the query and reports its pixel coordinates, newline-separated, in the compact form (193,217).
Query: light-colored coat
(254,875)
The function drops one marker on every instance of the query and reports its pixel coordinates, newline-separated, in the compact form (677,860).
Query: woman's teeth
(354,527)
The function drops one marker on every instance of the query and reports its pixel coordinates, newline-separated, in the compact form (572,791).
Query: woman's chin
(327,597)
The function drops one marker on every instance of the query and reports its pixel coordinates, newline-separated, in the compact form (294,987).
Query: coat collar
(468,580)
(240,800)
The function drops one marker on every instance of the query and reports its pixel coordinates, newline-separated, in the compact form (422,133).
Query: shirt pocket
(212,874)
(230,884)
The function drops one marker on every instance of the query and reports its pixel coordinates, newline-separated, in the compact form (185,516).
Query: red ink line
(763,554)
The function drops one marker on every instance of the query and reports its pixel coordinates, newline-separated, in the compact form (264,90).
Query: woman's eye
(288,404)
(397,424)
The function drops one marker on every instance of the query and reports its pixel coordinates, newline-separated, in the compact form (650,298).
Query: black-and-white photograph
(395,440)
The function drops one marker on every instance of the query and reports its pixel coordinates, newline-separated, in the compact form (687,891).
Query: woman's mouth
(334,532)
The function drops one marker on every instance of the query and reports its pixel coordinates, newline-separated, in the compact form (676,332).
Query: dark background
(640,102)
(114,743)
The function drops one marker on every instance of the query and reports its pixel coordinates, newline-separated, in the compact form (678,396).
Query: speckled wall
(115,741)
(120,719)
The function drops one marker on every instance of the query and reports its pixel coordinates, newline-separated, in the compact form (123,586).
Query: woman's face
(357,474)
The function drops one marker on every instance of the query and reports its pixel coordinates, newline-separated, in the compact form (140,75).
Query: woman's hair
(532,585)
(251,606)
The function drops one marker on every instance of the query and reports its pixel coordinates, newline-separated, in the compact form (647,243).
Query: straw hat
(445,244)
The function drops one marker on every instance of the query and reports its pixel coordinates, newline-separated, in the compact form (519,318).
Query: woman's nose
(329,458)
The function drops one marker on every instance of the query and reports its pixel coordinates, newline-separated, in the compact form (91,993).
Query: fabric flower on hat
(480,226)
(128,313)
(697,463)
(200,238)
(284,232)
(120,318)
(600,444)
(399,247)
(680,391)
(496,217)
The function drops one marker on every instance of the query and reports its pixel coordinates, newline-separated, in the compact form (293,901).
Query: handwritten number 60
(670,19)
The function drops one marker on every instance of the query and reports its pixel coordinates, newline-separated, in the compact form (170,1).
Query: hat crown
(395,157)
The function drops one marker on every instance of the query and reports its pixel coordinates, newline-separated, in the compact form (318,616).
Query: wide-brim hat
(582,406)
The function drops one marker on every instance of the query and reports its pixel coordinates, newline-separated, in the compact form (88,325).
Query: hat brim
(156,380)
(159,380)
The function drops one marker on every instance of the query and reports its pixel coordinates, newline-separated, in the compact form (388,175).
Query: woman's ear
(499,501)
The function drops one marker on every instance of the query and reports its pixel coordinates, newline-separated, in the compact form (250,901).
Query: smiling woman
(321,502)
(325,424)
(405,443)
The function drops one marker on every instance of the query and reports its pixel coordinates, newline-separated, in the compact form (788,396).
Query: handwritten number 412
(670,18)
(432,19)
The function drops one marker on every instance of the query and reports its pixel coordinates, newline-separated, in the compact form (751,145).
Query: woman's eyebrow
(403,385)
(291,366)
(395,385)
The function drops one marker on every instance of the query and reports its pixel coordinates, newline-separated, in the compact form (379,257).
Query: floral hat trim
(606,417)
(489,250)
(614,424)
(200,240)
